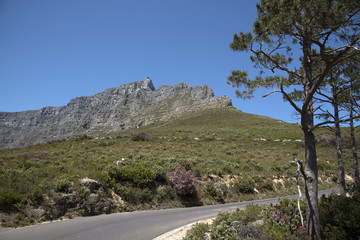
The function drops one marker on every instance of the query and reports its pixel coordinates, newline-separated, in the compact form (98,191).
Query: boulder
(90,184)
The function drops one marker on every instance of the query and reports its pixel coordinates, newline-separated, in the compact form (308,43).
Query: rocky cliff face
(127,106)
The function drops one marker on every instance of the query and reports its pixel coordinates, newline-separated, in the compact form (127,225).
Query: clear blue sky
(54,50)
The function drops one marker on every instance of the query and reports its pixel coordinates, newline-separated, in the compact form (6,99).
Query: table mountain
(127,106)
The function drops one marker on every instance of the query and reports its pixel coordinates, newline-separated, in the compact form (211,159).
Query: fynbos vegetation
(212,156)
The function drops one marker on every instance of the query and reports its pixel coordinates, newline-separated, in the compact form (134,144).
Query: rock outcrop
(91,199)
(127,106)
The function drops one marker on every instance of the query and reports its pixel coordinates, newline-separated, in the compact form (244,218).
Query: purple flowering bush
(42,154)
(183,181)
(326,140)
(283,221)
(136,136)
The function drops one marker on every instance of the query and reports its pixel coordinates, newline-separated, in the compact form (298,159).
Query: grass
(217,145)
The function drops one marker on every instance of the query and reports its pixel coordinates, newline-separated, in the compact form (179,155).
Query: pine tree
(324,33)
(339,94)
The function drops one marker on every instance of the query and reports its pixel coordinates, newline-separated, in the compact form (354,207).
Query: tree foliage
(282,28)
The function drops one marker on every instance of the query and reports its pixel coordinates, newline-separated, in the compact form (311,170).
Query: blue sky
(54,50)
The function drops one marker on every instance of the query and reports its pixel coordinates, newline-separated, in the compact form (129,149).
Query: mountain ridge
(127,106)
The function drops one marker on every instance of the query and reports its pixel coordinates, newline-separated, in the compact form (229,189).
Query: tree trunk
(339,149)
(311,186)
(307,123)
(354,148)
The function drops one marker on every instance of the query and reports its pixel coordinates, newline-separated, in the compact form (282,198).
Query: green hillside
(234,156)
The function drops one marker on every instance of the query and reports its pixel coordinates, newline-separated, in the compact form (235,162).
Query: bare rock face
(127,106)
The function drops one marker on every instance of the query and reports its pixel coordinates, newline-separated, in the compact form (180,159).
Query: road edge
(180,233)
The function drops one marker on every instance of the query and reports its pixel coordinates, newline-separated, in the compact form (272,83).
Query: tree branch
(333,122)
(277,65)
(328,67)
(289,99)
(301,166)
(275,91)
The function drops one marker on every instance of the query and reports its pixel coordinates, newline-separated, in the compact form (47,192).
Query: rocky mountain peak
(127,106)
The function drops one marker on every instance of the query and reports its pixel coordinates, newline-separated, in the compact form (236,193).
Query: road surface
(140,225)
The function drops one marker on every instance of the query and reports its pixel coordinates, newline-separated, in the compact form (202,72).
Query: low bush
(265,185)
(254,222)
(106,181)
(82,194)
(160,174)
(276,168)
(283,221)
(244,185)
(251,213)
(197,232)
(249,231)
(223,231)
(137,174)
(9,201)
(227,169)
(82,137)
(133,194)
(339,216)
(37,197)
(327,141)
(42,154)
(183,181)
(141,136)
(62,185)
(214,192)
(165,192)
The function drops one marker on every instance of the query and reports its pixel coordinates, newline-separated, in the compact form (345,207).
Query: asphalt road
(140,225)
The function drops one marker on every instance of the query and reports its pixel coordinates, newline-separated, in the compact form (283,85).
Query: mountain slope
(234,156)
(127,106)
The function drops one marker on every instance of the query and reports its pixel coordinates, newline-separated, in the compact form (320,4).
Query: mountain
(127,106)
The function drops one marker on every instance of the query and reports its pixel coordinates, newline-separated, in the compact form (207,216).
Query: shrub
(141,136)
(138,174)
(62,185)
(275,167)
(251,213)
(244,185)
(134,195)
(164,192)
(197,231)
(106,180)
(249,231)
(266,185)
(326,140)
(226,217)
(235,225)
(334,178)
(82,194)
(223,232)
(37,197)
(339,216)
(214,192)
(9,200)
(82,137)
(159,172)
(42,154)
(227,169)
(183,181)
(283,221)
